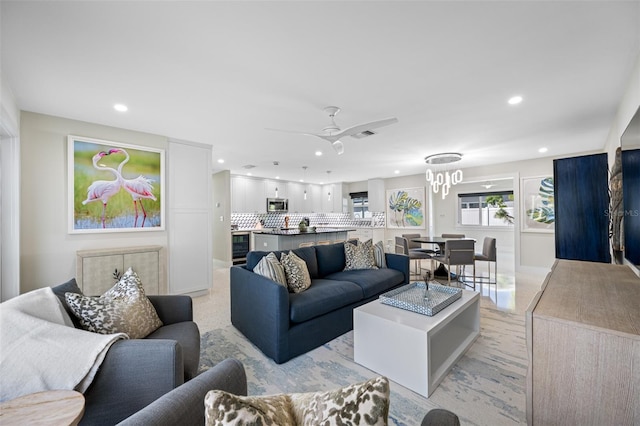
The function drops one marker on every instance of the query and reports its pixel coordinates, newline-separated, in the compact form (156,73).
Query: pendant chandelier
(440,175)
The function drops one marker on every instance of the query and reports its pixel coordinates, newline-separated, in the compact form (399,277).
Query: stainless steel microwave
(280,205)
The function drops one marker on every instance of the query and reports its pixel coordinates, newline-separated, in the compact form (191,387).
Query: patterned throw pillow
(270,267)
(124,308)
(359,256)
(296,271)
(362,403)
(378,254)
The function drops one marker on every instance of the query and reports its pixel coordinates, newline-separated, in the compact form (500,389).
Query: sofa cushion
(270,267)
(70,286)
(331,258)
(378,254)
(295,269)
(372,281)
(123,308)
(308,254)
(323,296)
(366,402)
(359,256)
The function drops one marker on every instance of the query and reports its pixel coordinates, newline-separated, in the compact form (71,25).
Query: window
(486,209)
(360,202)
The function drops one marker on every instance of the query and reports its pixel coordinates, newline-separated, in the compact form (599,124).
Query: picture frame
(537,209)
(114,186)
(405,208)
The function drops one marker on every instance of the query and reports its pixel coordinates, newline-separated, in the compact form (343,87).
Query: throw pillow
(359,256)
(270,267)
(361,403)
(296,271)
(124,308)
(378,254)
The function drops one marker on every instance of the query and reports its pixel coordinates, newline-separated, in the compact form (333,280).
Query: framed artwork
(114,187)
(538,213)
(405,208)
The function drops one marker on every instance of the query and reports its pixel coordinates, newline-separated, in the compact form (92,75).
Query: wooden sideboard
(94,268)
(583,342)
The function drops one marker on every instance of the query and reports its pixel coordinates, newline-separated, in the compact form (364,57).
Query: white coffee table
(415,350)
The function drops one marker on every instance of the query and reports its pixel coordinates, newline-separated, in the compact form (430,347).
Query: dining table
(441,270)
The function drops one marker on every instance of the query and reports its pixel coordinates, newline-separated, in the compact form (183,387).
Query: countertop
(296,231)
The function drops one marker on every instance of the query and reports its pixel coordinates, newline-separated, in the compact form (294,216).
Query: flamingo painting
(103,190)
(139,188)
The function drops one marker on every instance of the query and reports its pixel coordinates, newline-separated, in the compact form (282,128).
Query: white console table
(415,350)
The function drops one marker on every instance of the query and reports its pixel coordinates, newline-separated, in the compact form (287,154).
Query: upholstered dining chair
(459,252)
(489,254)
(453,235)
(413,246)
(402,247)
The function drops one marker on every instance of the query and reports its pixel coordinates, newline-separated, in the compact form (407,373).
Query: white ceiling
(221,72)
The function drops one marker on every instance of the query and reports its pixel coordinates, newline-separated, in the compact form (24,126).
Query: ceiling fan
(333,133)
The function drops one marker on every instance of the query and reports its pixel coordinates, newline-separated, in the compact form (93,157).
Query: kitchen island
(291,238)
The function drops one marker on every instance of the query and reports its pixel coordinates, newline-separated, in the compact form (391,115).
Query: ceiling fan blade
(291,131)
(366,126)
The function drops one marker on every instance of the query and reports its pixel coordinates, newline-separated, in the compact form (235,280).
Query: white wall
(628,106)
(9,193)
(221,210)
(47,252)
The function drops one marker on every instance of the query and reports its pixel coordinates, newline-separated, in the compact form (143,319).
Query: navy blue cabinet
(631,197)
(581,205)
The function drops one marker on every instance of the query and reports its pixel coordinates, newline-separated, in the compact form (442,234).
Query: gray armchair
(137,372)
(185,404)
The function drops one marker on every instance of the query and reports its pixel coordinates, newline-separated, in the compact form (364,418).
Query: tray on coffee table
(415,297)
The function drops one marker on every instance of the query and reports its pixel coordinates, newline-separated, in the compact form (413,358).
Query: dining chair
(459,252)
(415,246)
(402,247)
(453,235)
(489,254)
(323,243)
(307,244)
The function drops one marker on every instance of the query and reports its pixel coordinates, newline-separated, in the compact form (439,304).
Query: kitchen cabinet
(314,198)
(248,195)
(272,185)
(332,198)
(295,193)
(364,234)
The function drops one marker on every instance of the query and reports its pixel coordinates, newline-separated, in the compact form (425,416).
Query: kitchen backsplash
(276,220)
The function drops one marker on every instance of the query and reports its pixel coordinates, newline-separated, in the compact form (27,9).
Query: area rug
(485,387)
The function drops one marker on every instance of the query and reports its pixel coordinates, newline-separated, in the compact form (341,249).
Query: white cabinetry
(275,189)
(315,192)
(248,195)
(364,234)
(295,193)
(332,201)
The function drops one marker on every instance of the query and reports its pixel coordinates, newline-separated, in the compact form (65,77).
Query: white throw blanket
(41,350)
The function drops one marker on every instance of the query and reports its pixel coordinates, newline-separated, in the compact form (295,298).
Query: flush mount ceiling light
(440,175)
(120,107)
(515,100)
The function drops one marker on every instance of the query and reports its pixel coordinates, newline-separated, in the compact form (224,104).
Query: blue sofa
(284,325)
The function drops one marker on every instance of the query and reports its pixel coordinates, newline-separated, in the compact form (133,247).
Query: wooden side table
(56,407)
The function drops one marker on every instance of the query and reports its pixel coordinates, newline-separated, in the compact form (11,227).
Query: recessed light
(515,100)
(220,160)
(249,174)
(318,153)
(120,107)
(396,171)
(543,150)
(301,180)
